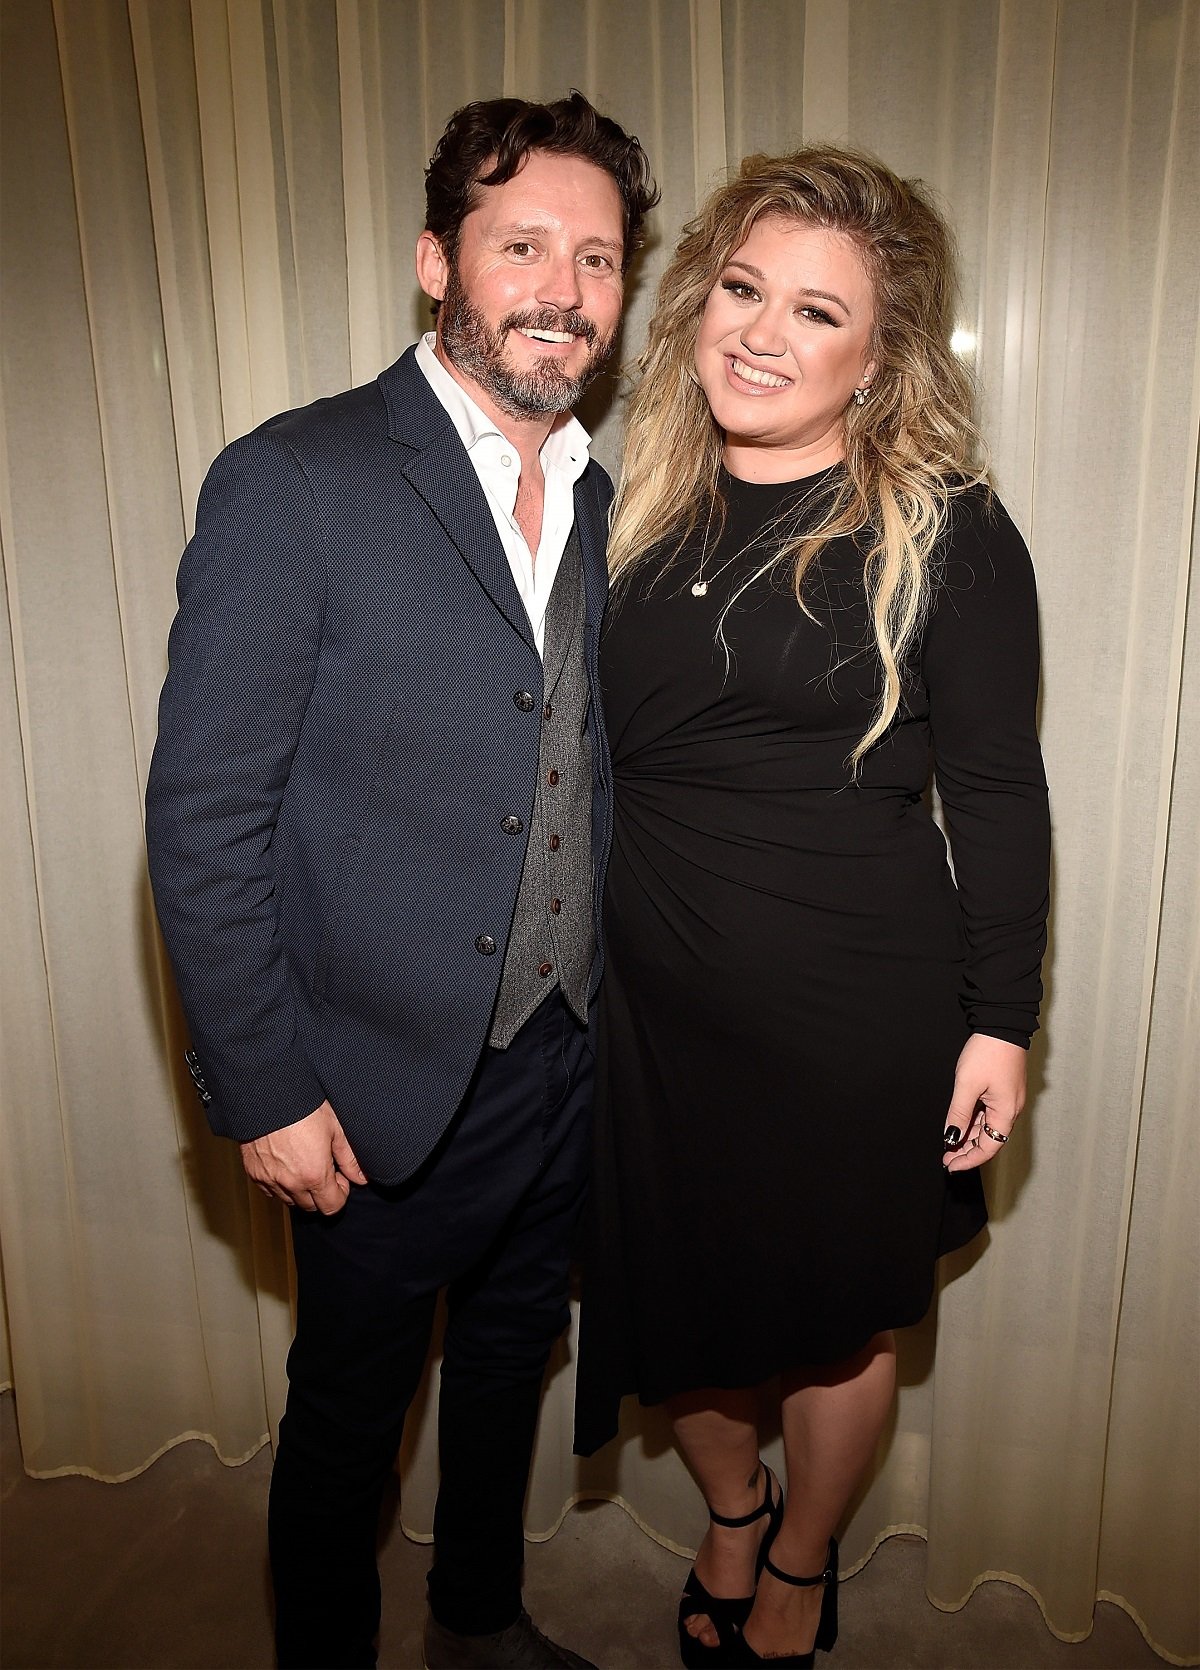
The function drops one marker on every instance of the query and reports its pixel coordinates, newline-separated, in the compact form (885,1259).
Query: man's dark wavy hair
(508,130)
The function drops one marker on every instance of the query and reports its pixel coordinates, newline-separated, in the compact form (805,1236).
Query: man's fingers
(331,1195)
(296,1164)
(345,1158)
(325,1193)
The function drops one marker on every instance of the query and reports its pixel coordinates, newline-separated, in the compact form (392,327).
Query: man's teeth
(751,374)
(550,336)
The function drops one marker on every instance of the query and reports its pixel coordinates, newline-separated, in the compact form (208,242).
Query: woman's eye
(818,314)
(740,289)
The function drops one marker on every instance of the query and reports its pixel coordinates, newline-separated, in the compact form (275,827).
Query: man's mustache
(550,319)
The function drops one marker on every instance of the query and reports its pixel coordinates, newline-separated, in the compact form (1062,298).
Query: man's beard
(475,348)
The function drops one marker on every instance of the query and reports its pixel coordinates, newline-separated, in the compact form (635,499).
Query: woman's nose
(761,335)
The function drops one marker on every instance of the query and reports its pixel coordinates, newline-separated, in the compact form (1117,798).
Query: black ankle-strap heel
(727,1616)
(827,1628)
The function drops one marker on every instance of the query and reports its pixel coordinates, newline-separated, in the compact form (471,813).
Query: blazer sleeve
(981,664)
(242,662)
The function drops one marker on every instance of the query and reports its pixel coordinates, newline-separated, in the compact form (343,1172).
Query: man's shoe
(521,1646)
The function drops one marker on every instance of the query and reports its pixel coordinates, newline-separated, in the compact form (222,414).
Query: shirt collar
(565,447)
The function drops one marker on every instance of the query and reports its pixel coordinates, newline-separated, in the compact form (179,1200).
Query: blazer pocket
(351,854)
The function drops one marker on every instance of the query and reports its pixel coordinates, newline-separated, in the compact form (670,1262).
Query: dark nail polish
(951,1137)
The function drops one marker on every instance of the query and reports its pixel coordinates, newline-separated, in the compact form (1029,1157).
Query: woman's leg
(717,1432)
(832,1419)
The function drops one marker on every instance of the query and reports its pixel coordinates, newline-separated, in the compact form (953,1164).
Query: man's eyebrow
(534,229)
(818,295)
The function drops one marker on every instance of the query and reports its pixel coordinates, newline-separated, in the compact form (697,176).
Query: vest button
(485,945)
(511,825)
(555,906)
(523,700)
(552,779)
(546,968)
(554,843)
(547,712)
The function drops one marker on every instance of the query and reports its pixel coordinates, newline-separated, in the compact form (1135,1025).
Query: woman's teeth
(767,379)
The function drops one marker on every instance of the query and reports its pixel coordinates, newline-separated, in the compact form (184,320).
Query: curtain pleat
(209,216)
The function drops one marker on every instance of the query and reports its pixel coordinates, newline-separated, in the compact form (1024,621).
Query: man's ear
(433,270)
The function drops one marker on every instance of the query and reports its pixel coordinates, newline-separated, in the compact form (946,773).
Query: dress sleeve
(980,665)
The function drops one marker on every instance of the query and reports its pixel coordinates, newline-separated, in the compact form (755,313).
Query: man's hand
(309,1164)
(989,1093)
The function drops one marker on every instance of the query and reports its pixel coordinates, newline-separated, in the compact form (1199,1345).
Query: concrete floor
(168,1570)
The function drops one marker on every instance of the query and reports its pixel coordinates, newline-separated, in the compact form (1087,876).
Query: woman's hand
(989,1093)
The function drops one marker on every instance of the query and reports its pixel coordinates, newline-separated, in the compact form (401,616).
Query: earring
(862,394)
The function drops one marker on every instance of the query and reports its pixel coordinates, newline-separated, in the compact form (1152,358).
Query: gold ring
(996,1136)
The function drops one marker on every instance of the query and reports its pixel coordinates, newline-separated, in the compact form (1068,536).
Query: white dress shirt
(497,463)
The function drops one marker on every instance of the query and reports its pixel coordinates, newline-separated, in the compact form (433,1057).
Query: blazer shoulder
(332,423)
(398,392)
(601,484)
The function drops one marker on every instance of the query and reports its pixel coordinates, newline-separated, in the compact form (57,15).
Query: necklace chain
(700,584)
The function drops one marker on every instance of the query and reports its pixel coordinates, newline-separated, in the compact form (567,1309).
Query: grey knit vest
(553,938)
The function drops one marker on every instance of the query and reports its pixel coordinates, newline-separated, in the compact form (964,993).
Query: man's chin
(547,386)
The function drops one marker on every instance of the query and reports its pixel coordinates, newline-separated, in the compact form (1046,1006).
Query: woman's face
(784,340)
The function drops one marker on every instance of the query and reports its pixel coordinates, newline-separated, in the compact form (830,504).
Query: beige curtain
(208,215)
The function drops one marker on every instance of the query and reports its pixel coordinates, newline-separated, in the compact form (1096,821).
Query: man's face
(531,305)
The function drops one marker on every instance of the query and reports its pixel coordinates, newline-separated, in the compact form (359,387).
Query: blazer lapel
(440,471)
(593,543)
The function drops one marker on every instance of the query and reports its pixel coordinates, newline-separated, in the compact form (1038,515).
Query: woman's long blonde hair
(908,449)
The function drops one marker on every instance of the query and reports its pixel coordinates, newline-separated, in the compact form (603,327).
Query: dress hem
(654,1398)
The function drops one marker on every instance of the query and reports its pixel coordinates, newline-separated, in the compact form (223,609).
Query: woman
(812,1037)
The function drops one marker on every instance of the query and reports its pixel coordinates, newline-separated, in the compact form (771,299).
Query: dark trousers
(489,1217)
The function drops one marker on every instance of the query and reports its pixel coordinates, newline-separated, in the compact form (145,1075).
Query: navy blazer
(352,712)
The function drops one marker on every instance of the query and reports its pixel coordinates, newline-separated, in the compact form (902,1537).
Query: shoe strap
(733,1523)
(826,1576)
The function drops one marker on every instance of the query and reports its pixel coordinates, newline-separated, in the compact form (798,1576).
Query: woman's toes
(700,1627)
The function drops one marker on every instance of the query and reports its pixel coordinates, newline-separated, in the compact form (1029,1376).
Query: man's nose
(558,283)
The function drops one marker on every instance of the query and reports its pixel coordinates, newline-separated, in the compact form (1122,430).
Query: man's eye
(520,249)
(598,263)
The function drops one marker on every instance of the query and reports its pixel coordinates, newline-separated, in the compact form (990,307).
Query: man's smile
(549,336)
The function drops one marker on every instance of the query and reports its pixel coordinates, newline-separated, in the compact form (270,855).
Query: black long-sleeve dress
(792,970)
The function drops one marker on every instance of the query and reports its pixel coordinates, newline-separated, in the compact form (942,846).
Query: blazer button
(523,700)
(552,779)
(485,945)
(511,826)
(546,968)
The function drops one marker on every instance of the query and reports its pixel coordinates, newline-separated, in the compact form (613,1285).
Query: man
(378,816)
